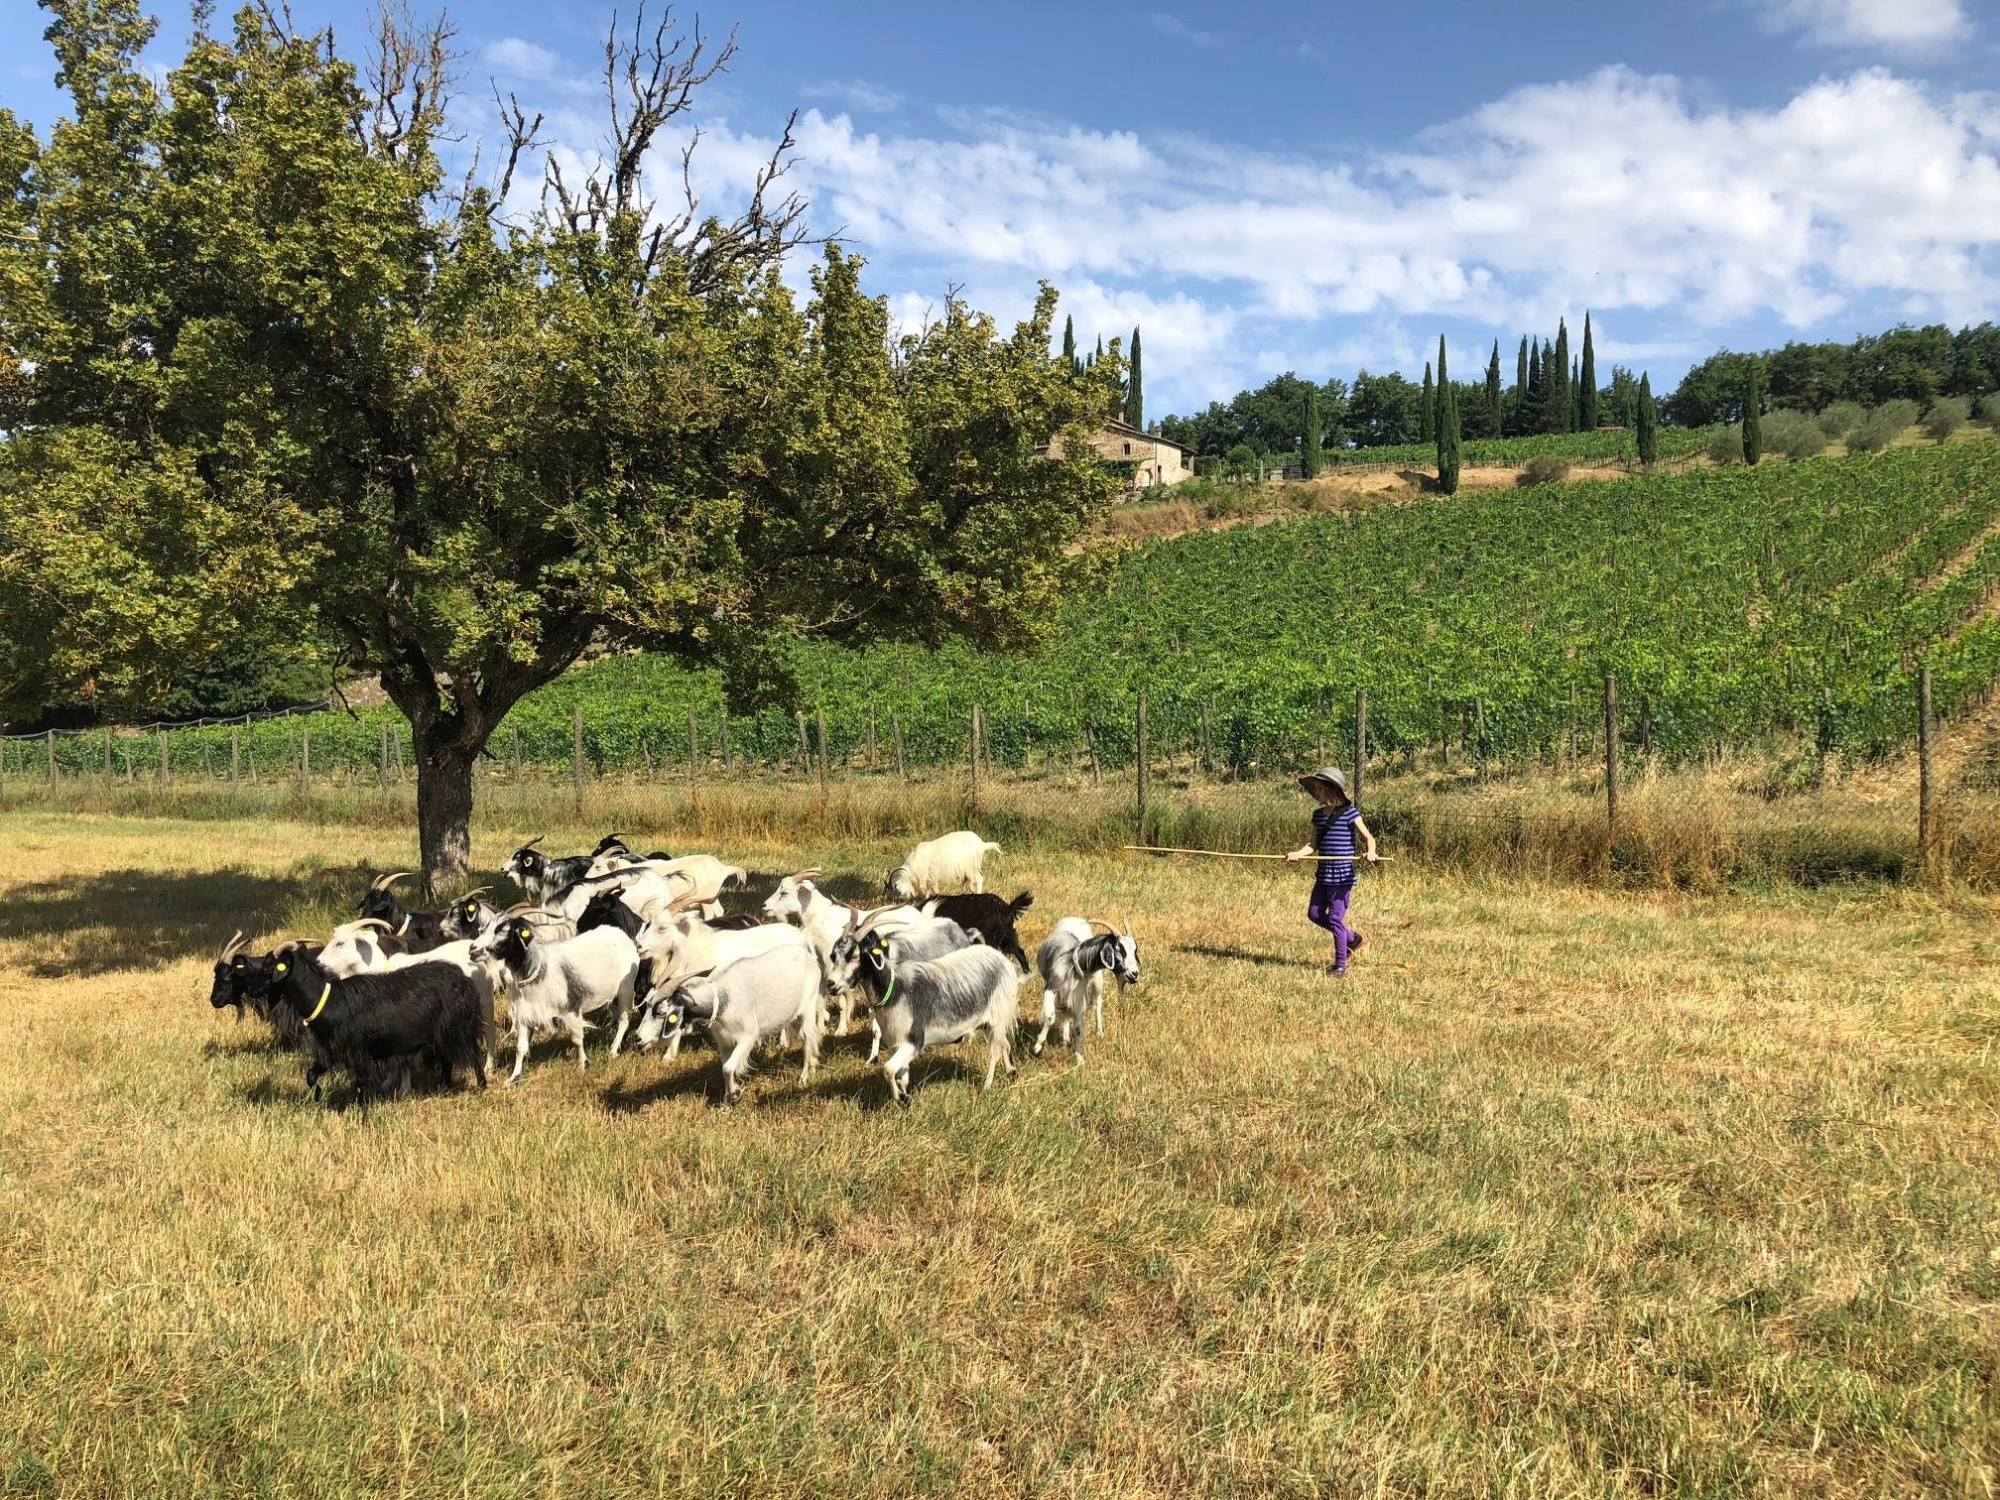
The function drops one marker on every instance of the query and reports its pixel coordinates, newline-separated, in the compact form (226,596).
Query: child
(1335,824)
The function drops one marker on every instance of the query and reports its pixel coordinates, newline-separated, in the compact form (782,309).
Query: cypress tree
(1531,414)
(1311,439)
(1069,344)
(1753,415)
(1135,394)
(1521,386)
(1589,379)
(1447,427)
(1427,412)
(1648,423)
(1576,394)
(1493,393)
(1557,382)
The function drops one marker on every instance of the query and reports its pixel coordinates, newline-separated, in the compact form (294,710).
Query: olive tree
(463,427)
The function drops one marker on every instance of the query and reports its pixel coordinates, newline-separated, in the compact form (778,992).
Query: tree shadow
(81,926)
(1246,956)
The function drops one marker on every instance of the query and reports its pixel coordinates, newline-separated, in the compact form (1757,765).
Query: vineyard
(1784,606)
(1608,446)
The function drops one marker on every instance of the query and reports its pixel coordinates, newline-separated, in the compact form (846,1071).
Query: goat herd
(646,938)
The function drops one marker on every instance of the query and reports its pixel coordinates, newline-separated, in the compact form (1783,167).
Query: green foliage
(1427,414)
(1242,460)
(1946,416)
(1589,391)
(1912,364)
(1794,434)
(1841,418)
(1544,468)
(1448,449)
(1753,418)
(1882,426)
(1646,416)
(1781,602)
(1726,445)
(1269,419)
(1577,447)
(1989,410)
(1312,439)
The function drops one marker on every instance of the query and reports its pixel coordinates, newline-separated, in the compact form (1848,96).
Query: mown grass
(1560,1193)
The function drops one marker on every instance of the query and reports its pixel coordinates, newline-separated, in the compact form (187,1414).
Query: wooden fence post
(1610,765)
(871,736)
(1360,741)
(896,733)
(166,761)
(578,771)
(1144,768)
(724,732)
(305,754)
(1090,744)
(107,753)
(819,718)
(805,747)
(975,754)
(1207,744)
(694,752)
(1926,826)
(236,755)
(50,741)
(382,761)
(207,758)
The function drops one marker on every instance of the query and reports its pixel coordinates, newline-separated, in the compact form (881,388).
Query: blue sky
(1325,187)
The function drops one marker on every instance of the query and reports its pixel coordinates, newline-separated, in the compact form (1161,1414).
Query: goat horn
(1096,922)
(371,922)
(229,949)
(807,874)
(478,890)
(285,947)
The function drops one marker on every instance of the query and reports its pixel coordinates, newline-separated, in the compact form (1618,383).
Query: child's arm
(1361,827)
(1304,851)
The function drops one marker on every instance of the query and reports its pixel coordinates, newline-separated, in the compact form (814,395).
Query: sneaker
(1354,942)
(1338,971)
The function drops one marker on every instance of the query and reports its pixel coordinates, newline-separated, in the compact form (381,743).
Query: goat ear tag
(525,933)
(282,968)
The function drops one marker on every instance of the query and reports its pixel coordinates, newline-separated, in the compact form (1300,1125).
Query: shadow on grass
(143,919)
(866,1089)
(1246,956)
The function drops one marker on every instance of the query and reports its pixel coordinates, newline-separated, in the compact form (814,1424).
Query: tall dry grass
(1561,1192)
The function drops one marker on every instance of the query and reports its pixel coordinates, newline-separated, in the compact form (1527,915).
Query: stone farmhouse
(1153,460)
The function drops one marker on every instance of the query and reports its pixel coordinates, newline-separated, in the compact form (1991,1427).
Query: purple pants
(1328,909)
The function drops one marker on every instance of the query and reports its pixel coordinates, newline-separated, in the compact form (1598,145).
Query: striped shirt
(1333,842)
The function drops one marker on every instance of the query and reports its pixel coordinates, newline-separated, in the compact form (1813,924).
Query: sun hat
(1331,776)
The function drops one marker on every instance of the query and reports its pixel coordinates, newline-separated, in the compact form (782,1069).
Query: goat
(678,946)
(418,930)
(942,864)
(245,979)
(823,920)
(1073,965)
(468,916)
(359,948)
(943,1000)
(915,941)
(989,916)
(545,876)
(371,1023)
(559,983)
(638,886)
(763,995)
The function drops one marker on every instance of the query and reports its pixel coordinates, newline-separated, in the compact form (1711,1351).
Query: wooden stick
(1359,859)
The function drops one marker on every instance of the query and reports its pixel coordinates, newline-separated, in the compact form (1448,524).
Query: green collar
(886,994)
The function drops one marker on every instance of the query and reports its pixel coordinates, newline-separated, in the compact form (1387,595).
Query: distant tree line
(1556,390)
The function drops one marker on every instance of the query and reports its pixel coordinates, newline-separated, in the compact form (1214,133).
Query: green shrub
(1794,434)
(1726,447)
(1841,418)
(1544,468)
(1989,409)
(1946,416)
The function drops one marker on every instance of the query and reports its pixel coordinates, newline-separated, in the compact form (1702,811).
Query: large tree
(1589,378)
(1648,421)
(1447,427)
(263,351)
(1135,389)
(1313,439)
(1427,413)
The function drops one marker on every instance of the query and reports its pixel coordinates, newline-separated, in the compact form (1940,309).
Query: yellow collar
(328,990)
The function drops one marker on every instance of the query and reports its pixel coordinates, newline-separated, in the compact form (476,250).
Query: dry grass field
(1560,1193)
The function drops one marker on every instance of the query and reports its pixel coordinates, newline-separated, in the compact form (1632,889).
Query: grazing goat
(824,921)
(942,864)
(931,1004)
(245,979)
(684,945)
(559,983)
(989,916)
(1074,964)
(763,995)
(468,916)
(417,930)
(373,1024)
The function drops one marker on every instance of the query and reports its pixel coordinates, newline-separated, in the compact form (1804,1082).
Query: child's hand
(1292,858)
(1369,856)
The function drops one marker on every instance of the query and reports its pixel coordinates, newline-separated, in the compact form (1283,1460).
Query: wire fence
(1604,797)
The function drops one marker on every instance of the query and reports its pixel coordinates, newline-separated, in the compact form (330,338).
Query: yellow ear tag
(525,933)
(281,968)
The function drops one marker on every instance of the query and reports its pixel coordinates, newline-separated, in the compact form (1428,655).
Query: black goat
(545,876)
(245,979)
(419,931)
(374,1024)
(989,916)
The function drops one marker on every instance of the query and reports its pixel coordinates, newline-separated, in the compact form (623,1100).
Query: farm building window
(1128,447)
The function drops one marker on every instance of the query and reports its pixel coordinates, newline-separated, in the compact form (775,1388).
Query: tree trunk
(444,813)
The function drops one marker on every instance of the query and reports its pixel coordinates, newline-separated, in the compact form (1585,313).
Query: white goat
(550,984)
(940,865)
(357,948)
(824,921)
(1074,964)
(681,946)
(762,995)
(931,1004)
(914,941)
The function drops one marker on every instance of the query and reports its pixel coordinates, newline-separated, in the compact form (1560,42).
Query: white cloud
(515,57)
(1918,25)
(857,94)
(1174,27)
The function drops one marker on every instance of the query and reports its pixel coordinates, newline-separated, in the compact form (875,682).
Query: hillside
(1785,603)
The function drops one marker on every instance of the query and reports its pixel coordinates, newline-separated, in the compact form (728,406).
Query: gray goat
(935,1003)
(1074,964)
